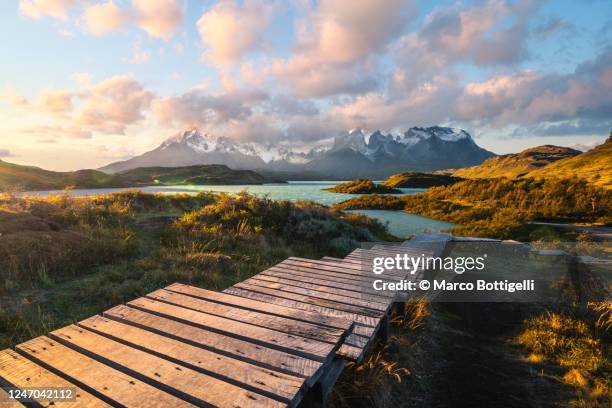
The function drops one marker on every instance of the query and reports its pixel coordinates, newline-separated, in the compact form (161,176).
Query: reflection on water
(400,223)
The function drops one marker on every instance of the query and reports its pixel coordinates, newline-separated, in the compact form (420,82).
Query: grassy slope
(419,180)
(34,178)
(362,186)
(500,208)
(17,177)
(595,166)
(516,165)
(202,175)
(64,259)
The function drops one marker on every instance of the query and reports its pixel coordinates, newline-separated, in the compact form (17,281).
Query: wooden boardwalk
(277,339)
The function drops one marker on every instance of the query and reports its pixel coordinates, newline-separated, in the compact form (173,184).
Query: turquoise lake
(399,223)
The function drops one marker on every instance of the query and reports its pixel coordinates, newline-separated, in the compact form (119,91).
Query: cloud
(47,8)
(554,26)
(201,110)
(5,153)
(337,46)
(231,30)
(529,97)
(159,18)
(57,102)
(493,33)
(104,18)
(113,104)
(15,99)
(53,133)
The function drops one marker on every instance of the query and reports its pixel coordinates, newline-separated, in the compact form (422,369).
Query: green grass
(14,177)
(501,208)
(575,343)
(420,180)
(362,186)
(64,259)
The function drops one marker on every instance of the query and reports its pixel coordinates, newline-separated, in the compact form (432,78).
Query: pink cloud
(159,18)
(231,30)
(57,102)
(47,8)
(104,18)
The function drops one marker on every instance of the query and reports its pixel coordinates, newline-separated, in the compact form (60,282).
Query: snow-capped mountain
(352,154)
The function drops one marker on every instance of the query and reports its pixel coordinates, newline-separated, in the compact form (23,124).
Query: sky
(84,83)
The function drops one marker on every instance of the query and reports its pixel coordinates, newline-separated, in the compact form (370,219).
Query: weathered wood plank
(235,348)
(237,301)
(347,267)
(363,330)
(7,402)
(353,292)
(281,324)
(364,303)
(245,375)
(173,378)
(20,372)
(268,338)
(261,287)
(357,341)
(269,296)
(338,267)
(351,352)
(116,387)
(332,275)
(366,283)
(324,280)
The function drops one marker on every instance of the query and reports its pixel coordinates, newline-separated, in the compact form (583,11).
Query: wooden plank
(258,335)
(324,280)
(7,402)
(20,372)
(224,298)
(364,281)
(116,387)
(360,269)
(341,268)
(270,296)
(235,348)
(245,375)
(312,300)
(363,303)
(357,341)
(181,381)
(332,275)
(351,352)
(363,330)
(281,324)
(350,292)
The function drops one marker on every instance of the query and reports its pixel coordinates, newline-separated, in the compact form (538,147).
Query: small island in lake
(362,186)
(420,180)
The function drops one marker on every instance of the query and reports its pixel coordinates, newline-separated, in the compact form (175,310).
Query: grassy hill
(594,166)
(209,174)
(519,164)
(420,180)
(362,186)
(18,177)
(14,176)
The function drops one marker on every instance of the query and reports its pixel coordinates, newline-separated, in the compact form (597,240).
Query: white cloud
(159,18)
(231,30)
(104,18)
(47,8)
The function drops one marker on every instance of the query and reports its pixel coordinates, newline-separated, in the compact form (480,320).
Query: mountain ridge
(517,164)
(352,154)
